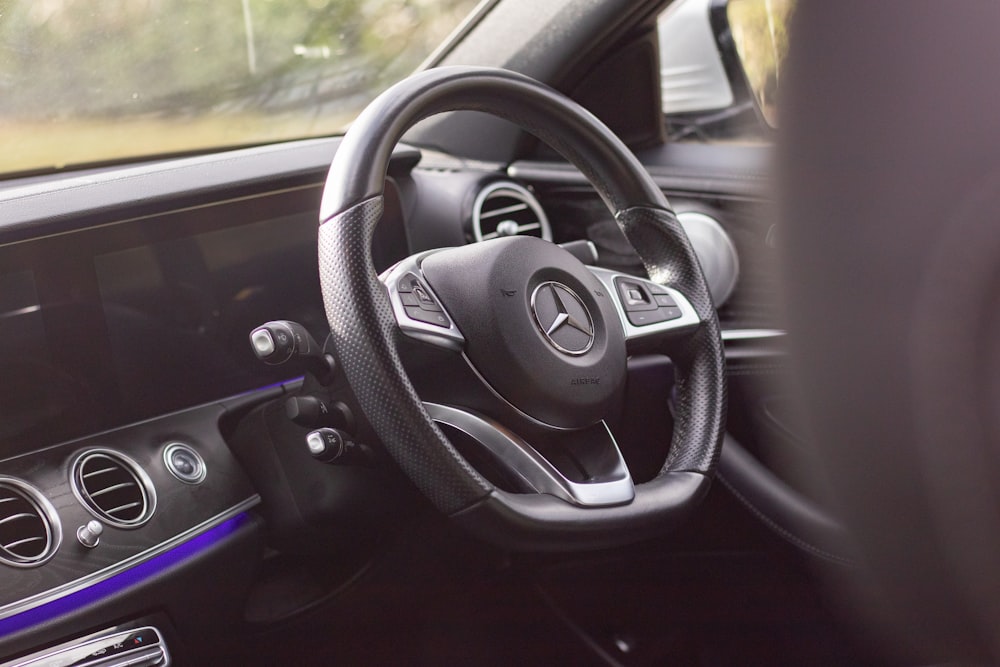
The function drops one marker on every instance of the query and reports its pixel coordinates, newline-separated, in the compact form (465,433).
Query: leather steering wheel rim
(364,331)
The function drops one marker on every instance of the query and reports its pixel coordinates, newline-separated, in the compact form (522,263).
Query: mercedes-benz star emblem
(562,318)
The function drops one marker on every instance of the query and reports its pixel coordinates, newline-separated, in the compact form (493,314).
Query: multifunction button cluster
(418,302)
(645,302)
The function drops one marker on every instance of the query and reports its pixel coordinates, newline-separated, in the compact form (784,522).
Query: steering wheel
(515,347)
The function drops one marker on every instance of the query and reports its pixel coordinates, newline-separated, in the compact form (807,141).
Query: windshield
(88,81)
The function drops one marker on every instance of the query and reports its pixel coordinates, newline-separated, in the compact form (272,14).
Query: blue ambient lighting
(119,582)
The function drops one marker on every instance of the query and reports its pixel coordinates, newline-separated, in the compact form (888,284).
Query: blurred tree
(760,30)
(61,58)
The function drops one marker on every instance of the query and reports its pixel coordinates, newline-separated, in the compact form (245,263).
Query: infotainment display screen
(39,400)
(179,311)
(123,321)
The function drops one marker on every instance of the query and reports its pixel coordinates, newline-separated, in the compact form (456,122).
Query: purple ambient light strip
(273,385)
(133,576)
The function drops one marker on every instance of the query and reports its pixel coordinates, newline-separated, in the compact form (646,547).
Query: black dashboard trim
(36,233)
(669,179)
(38,207)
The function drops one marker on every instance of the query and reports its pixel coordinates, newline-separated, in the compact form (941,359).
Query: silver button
(315,443)
(263,344)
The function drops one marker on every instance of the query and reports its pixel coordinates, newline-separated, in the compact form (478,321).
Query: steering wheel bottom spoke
(593,472)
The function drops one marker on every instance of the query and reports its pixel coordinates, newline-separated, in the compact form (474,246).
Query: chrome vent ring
(30,532)
(114,488)
(504,208)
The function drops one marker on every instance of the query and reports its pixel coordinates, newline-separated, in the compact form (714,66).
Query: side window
(720,68)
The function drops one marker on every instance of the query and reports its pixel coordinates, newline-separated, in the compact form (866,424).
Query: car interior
(530,362)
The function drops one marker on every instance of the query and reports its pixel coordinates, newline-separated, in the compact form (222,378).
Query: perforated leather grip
(364,332)
(699,360)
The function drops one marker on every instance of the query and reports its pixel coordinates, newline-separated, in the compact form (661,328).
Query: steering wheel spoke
(651,314)
(588,472)
(417,309)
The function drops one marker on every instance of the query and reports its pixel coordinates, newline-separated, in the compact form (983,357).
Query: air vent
(114,488)
(507,209)
(29,528)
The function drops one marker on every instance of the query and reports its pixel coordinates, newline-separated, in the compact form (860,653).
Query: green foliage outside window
(94,80)
(760,30)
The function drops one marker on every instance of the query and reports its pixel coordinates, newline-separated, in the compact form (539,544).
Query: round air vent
(114,488)
(507,209)
(29,528)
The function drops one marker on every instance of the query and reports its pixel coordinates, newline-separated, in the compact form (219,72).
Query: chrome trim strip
(504,211)
(15,517)
(613,488)
(751,334)
(112,489)
(75,652)
(38,599)
(8,547)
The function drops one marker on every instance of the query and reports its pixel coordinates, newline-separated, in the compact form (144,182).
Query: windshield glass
(86,81)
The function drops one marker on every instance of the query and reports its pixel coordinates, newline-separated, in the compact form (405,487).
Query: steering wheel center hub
(540,328)
(562,318)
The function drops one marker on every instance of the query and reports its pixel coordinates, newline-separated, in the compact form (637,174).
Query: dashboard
(130,389)
(117,324)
